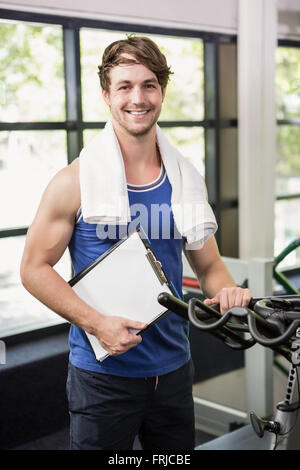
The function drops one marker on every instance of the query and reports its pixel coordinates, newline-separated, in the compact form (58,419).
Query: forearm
(44,283)
(215,278)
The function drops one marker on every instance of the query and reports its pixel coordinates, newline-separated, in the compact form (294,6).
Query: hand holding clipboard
(119,334)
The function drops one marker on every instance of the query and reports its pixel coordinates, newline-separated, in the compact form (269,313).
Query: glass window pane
(288,82)
(20,311)
(185,93)
(28,160)
(190,142)
(287,229)
(31,72)
(184,100)
(288,161)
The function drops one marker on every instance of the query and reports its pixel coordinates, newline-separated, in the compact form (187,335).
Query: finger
(127,342)
(224,300)
(135,325)
(242,297)
(135,340)
(235,296)
(213,300)
(247,296)
(113,350)
(238,301)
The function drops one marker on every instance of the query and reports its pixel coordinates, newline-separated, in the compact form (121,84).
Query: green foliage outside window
(31,72)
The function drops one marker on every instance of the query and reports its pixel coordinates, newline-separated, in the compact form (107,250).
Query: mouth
(138,113)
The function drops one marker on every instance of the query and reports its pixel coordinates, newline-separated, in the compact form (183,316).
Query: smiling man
(145,387)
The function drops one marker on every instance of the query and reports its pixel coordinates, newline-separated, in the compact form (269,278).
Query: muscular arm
(46,241)
(214,278)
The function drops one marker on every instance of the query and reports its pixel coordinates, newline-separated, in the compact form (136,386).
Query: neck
(137,149)
(141,157)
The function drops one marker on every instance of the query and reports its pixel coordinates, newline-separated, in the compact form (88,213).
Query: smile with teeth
(138,113)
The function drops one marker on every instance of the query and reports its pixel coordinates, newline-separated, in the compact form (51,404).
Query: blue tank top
(165,345)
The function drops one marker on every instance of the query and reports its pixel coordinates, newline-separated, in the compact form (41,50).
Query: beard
(140,127)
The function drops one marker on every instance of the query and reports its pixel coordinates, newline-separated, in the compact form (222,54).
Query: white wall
(257,126)
(288,19)
(212,15)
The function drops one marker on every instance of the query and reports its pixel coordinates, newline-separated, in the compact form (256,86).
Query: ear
(164,90)
(105,95)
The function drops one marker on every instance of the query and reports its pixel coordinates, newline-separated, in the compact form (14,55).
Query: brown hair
(144,51)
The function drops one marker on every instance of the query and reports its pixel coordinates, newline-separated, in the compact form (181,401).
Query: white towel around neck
(104,196)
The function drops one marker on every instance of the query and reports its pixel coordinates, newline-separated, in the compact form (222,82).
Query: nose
(137,95)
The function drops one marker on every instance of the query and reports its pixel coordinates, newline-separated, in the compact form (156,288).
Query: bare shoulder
(62,194)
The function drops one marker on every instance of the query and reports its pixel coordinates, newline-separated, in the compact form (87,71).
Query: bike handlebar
(270,321)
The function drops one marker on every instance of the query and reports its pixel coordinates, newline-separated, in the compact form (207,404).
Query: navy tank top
(165,345)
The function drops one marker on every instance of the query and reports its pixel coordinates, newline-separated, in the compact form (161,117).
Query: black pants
(108,412)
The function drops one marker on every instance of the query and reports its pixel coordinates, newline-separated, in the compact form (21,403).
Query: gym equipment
(281,276)
(273,322)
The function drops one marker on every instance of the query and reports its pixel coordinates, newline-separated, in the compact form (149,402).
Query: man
(145,386)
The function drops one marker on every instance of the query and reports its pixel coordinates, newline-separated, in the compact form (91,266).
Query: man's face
(135,98)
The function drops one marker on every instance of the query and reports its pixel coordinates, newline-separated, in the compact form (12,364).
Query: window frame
(74,124)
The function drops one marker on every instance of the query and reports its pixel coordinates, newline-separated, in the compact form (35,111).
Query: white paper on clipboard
(125,283)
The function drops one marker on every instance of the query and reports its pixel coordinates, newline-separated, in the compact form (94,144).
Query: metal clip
(156,265)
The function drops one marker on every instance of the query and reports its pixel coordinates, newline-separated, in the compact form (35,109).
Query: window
(287,204)
(51,106)
(32,150)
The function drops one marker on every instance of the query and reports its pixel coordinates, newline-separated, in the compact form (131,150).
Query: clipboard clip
(157,267)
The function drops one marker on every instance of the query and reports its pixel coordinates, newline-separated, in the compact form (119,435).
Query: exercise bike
(273,322)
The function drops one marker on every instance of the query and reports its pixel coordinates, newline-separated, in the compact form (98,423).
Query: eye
(150,85)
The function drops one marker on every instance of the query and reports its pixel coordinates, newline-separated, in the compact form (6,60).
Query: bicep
(51,230)
(47,239)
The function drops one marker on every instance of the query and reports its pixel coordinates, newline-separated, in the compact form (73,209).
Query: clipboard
(125,281)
